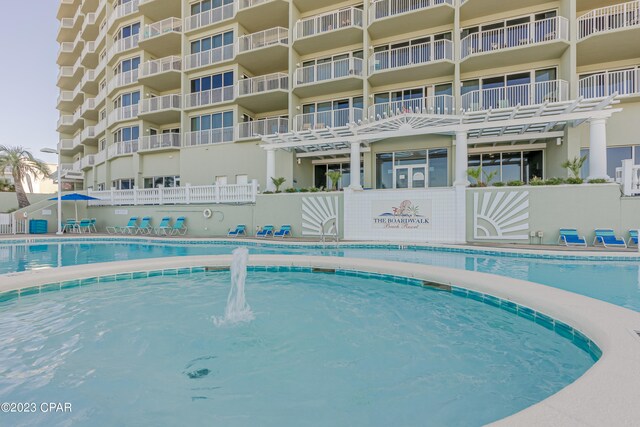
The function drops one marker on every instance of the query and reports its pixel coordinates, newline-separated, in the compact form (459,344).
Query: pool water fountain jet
(237,309)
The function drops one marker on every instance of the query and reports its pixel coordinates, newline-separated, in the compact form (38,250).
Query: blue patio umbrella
(75,197)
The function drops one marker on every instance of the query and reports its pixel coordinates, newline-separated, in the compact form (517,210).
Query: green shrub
(575,180)
(554,181)
(314,189)
(304,190)
(291,190)
(267,192)
(498,184)
(536,181)
(516,183)
(597,181)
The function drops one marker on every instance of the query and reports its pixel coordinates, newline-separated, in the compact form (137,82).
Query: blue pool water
(617,282)
(322,350)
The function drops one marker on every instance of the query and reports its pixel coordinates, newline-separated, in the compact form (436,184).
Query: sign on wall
(405,214)
(501,215)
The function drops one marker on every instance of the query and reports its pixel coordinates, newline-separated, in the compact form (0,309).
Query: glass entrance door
(411,177)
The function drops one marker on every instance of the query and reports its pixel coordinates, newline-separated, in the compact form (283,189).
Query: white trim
(508,148)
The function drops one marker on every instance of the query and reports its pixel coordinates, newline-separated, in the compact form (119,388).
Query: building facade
(175,92)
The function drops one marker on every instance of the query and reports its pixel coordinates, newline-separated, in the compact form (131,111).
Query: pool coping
(605,395)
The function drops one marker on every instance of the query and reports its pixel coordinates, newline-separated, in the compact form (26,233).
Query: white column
(598,149)
(461,159)
(355,166)
(271,169)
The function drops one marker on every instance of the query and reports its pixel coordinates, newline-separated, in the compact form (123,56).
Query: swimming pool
(323,350)
(617,282)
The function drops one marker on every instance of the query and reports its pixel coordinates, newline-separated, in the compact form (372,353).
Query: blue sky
(28,77)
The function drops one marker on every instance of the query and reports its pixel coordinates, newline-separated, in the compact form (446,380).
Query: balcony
(512,96)
(309,5)
(209,57)
(427,60)
(334,29)
(327,119)
(439,104)
(161,109)
(206,137)
(162,74)
(210,17)
(160,142)
(67,8)
(90,55)
(123,11)
(126,148)
(330,77)
(89,110)
(264,52)
(209,97)
(626,83)
(65,124)
(65,145)
(162,38)
(392,17)
(65,100)
(90,26)
(69,28)
(254,15)
(121,80)
(87,162)
(88,134)
(158,10)
(68,77)
(130,112)
(474,9)
(69,52)
(92,5)
(535,41)
(609,34)
(257,128)
(123,45)
(100,157)
(89,82)
(264,93)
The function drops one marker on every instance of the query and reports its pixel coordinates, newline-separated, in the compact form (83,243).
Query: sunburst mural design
(501,215)
(319,213)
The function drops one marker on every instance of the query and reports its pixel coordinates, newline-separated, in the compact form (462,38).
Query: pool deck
(605,395)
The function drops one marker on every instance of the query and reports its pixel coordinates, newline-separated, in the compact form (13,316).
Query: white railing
(268,126)
(122,148)
(88,105)
(123,79)
(159,141)
(606,83)
(629,176)
(408,56)
(123,45)
(244,4)
(210,136)
(100,127)
(262,39)
(169,25)
(100,157)
(160,103)
(67,47)
(327,119)
(348,67)
(213,16)
(77,166)
(123,10)
(327,22)
(66,72)
(163,65)
(89,48)
(609,18)
(89,76)
(66,120)
(438,104)
(87,161)
(384,8)
(209,57)
(209,97)
(9,224)
(511,96)
(65,144)
(123,113)
(65,96)
(260,84)
(545,30)
(89,132)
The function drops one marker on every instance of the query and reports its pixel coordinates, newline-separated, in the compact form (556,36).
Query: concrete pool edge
(604,395)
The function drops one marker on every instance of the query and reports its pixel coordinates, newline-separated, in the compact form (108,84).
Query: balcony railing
(160,103)
(327,119)
(546,30)
(123,45)
(264,38)
(328,22)
(123,10)
(209,97)
(244,4)
(169,25)
(348,67)
(123,79)
(160,141)
(511,96)
(213,16)
(101,127)
(65,96)
(210,136)
(408,56)
(609,18)
(122,149)
(385,8)
(100,157)
(89,104)
(87,161)
(124,113)
(89,132)
(269,126)
(622,82)
(65,144)
(438,104)
(260,84)
(201,194)
(163,65)
(209,57)
(66,120)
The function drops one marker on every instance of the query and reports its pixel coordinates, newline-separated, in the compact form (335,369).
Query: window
(127,31)
(126,134)
(101,186)
(206,5)
(212,128)
(509,166)
(330,113)
(127,65)
(126,100)
(615,156)
(102,144)
(321,178)
(412,169)
(162,181)
(221,180)
(123,184)
(212,42)
(216,81)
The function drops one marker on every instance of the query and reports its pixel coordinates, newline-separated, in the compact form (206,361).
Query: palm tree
(23,166)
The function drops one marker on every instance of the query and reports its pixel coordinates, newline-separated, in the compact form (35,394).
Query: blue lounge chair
(84,225)
(93,225)
(240,229)
(164,228)
(285,231)
(145,226)
(570,237)
(129,228)
(607,238)
(179,229)
(266,231)
(71,226)
(633,238)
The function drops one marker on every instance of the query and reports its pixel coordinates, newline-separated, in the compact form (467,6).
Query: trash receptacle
(38,226)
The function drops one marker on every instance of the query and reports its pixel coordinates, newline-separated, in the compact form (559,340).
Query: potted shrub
(334,177)
(278,182)
(574,167)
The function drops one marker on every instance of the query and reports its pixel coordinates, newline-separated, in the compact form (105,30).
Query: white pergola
(504,125)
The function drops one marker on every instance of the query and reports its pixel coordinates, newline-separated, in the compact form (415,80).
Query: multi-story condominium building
(409,92)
